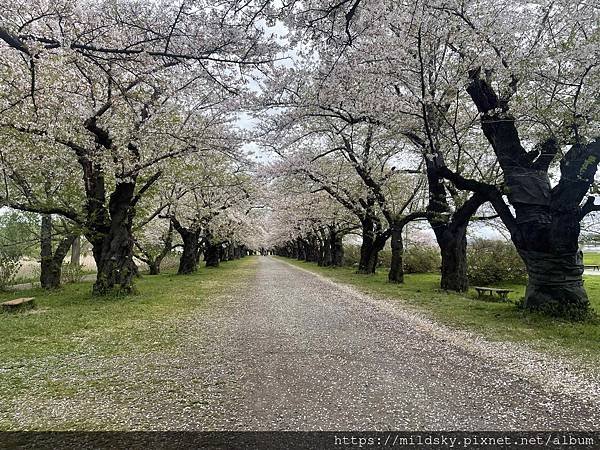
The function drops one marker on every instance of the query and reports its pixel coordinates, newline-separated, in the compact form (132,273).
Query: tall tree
(117,90)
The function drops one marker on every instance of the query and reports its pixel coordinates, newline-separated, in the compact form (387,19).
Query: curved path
(292,350)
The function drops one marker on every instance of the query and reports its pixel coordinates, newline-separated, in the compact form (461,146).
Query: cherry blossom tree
(307,225)
(531,75)
(207,206)
(407,84)
(537,101)
(118,90)
(336,107)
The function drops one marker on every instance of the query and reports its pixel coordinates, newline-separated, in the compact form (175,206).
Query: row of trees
(117,122)
(216,215)
(448,111)
(117,116)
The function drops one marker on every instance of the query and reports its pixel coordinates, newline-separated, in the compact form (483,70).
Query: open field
(494,320)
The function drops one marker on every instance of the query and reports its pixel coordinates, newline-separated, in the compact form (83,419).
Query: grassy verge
(495,320)
(71,321)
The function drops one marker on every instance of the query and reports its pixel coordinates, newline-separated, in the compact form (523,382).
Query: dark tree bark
(188,261)
(51,261)
(76,252)
(327,247)
(301,249)
(113,250)
(545,229)
(153,268)
(324,248)
(452,240)
(450,229)
(212,253)
(397,225)
(190,237)
(337,248)
(373,241)
(313,249)
(396,273)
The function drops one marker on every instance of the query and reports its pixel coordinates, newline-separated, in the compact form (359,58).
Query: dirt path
(295,351)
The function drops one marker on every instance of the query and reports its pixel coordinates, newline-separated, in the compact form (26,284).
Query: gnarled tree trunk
(450,229)
(337,249)
(188,261)
(545,227)
(211,255)
(51,261)
(113,251)
(547,238)
(374,240)
(452,241)
(396,273)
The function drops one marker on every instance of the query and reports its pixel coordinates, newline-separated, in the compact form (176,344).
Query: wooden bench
(18,303)
(592,266)
(502,293)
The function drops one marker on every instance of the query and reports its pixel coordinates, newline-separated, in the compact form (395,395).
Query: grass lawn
(71,321)
(495,320)
(55,355)
(591,258)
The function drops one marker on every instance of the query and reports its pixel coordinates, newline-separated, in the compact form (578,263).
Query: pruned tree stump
(18,304)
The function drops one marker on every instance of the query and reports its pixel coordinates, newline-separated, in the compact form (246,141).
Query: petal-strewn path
(291,350)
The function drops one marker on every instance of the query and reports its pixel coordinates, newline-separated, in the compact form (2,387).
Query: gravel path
(295,351)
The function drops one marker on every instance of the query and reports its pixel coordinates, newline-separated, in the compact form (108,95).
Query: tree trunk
(373,243)
(188,261)
(327,244)
(373,261)
(313,249)
(396,273)
(306,250)
(49,271)
(545,225)
(554,267)
(452,241)
(320,244)
(153,267)
(114,258)
(301,250)
(76,252)
(450,229)
(212,255)
(337,250)
(366,248)
(51,261)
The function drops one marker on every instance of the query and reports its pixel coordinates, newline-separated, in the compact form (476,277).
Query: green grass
(591,258)
(495,320)
(47,346)
(72,321)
